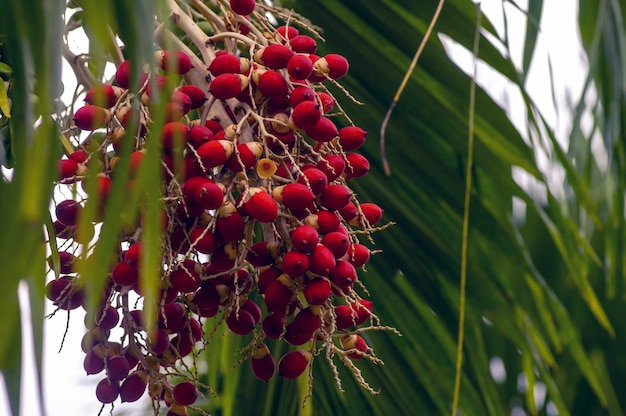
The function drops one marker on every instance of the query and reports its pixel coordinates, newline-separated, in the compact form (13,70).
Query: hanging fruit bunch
(261,231)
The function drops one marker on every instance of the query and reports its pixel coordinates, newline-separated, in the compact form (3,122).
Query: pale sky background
(68,391)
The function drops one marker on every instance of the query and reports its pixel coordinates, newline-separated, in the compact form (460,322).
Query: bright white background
(68,391)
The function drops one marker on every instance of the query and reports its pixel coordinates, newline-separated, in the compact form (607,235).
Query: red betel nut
(303,44)
(294,196)
(261,206)
(226,86)
(292,364)
(306,115)
(92,117)
(300,67)
(195,94)
(262,363)
(273,85)
(322,131)
(242,7)
(274,56)
(177,62)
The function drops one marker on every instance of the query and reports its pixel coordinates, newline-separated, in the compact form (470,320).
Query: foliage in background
(545,294)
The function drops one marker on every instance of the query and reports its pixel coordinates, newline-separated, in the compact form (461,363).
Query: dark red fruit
(117,368)
(338,242)
(66,261)
(292,364)
(356,343)
(107,391)
(203,239)
(266,277)
(195,94)
(68,211)
(344,275)
(225,63)
(349,213)
(274,56)
(62,294)
(199,135)
(132,388)
(63,231)
(107,317)
(327,100)
(195,328)
(229,223)
(209,195)
(123,75)
(324,221)
(124,274)
(273,85)
(333,65)
(371,215)
(322,261)
(261,253)
(226,86)
(224,257)
(241,322)
(66,169)
(358,255)
(352,137)
(174,134)
(262,363)
(314,179)
(357,165)
(92,363)
(306,115)
(305,238)
(185,393)
(301,94)
(242,7)
(182,99)
(177,62)
(104,95)
(332,165)
(134,253)
(261,206)
(245,157)
(79,156)
(159,341)
(300,67)
(171,315)
(273,326)
(322,131)
(294,196)
(207,300)
(317,291)
(336,197)
(185,279)
(345,317)
(305,323)
(287,32)
(295,263)
(303,44)
(215,153)
(277,297)
(181,346)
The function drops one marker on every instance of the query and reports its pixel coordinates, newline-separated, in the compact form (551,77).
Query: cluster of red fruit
(256,206)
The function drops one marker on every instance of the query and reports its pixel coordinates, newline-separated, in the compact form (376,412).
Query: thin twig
(396,98)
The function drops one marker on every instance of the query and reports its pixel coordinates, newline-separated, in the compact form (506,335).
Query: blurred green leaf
(12,369)
(5,69)
(5,106)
